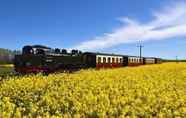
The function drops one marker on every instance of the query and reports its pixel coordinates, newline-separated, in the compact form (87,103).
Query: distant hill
(7,56)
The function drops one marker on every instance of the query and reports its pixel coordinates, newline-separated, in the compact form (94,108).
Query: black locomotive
(39,58)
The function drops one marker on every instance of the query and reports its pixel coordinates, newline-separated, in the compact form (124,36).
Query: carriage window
(113,60)
(104,59)
(109,60)
(116,60)
(99,59)
(120,60)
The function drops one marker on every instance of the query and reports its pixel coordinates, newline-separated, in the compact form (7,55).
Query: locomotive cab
(27,50)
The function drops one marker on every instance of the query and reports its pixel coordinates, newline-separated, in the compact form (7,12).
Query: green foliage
(146,91)
(6,56)
(5,51)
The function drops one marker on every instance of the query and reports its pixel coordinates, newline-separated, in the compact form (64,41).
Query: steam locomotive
(38,58)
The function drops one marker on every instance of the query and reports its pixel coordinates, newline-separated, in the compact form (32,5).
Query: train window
(99,59)
(120,60)
(40,51)
(28,50)
(116,60)
(113,60)
(109,60)
(104,59)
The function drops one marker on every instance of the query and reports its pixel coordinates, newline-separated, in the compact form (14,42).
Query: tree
(7,56)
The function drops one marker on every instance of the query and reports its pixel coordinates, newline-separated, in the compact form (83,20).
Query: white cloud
(167,22)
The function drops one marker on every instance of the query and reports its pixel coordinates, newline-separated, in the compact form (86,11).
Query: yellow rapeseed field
(132,92)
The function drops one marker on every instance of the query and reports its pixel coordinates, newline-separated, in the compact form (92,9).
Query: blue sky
(113,26)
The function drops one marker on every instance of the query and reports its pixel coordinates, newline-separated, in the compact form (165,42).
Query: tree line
(7,56)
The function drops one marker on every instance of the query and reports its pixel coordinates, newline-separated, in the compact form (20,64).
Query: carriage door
(125,61)
(91,60)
